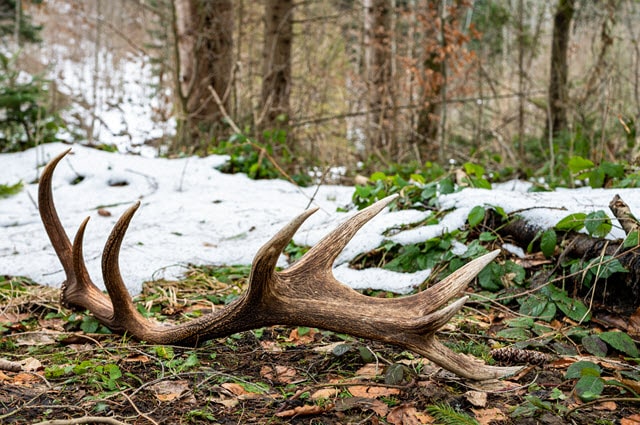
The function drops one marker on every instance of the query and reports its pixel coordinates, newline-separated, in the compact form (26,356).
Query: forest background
(519,86)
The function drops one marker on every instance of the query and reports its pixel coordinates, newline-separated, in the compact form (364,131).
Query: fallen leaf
(225,401)
(104,213)
(405,414)
(324,393)
(169,390)
(372,392)
(303,411)
(630,420)
(370,370)
(235,389)
(30,364)
(137,358)
(298,339)
(487,416)
(633,327)
(606,405)
(476,398)
(327,348)
(271,346)
(378,407)
(282,374)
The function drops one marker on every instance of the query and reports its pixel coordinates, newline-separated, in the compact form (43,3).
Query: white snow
(192,213)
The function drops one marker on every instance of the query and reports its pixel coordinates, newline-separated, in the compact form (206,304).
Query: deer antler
(305,294)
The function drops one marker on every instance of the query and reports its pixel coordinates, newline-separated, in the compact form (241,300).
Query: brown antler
(305,294)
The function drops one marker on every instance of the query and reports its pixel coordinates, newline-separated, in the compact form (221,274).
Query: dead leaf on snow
(282,374)
(372,391)
(476,398)
(303,411)
(169,390)
(488,416)
(630,420)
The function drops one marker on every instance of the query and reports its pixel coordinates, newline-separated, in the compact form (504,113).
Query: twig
(10,366)
(601,400)
(83,420)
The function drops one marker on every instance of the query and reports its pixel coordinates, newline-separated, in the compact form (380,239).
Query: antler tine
(91,299)
(78,291)
(264,262)
(325,252)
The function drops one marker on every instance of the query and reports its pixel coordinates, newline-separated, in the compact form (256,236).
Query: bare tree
(558,92)
(378,68)
(276,72)
(204,33)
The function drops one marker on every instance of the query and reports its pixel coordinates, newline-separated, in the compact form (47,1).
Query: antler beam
(305,294)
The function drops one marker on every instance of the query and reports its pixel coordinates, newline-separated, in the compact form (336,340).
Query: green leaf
(487,237)
(340,349)
(474,169)
(573,222)
(598,224)
(621,342)
(446,186)
(582,368)
(596,178)
(394,374)
(7,190)
(489,277)
(538,306)
(594,345)
(548,242)
(589,387)
(476,215)
(577,164)
(518,334)
(612,170)
(631,240)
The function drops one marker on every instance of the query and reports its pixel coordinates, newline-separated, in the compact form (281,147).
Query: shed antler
(305,294)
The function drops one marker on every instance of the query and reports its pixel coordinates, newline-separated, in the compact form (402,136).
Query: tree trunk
(276,72)
(378,76)
(558,92)
(204,34)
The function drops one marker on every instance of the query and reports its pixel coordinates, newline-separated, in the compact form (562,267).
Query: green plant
(25,120)
(7,190)
(447,415)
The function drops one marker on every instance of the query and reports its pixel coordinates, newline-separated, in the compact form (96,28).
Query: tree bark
(204,34)
(558,91)
(275,110)
(378,76)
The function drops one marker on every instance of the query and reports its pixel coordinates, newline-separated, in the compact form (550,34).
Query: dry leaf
(372,392)
(235,389)
(30,364)
(271,346)
(282,374)
(405,414)
(138,358)
(633,327)
(327,348)
(630,420)
(476,398)
(606,405)
(298,339)
(169,390)
(228,402)
(379,408)
(370,370)
(303,410)
(325,393)
(487,416)
(104,213)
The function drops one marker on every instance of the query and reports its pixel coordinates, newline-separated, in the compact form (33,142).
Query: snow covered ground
(192,213)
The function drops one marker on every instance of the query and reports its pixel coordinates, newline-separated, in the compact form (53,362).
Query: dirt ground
(56,367)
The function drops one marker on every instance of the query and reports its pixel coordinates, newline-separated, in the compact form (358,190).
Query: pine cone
(511,355)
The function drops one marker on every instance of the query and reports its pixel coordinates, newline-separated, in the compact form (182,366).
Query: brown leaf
(631,420)
(633,327)
(324,393)
(378,407)
(303,410)
(372,392)
(476,398)
(169,390)
(406,414)
(282,374)
(370,370)
(104,213)
(487,416)
(606,405)
(298,339)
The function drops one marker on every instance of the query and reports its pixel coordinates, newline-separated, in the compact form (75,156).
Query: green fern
(7,190)
(447,415)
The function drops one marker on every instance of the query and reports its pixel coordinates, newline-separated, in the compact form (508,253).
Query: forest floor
(58,367)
